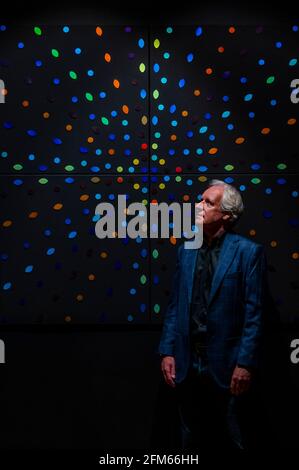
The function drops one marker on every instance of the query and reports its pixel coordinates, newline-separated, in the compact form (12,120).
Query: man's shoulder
(245,243)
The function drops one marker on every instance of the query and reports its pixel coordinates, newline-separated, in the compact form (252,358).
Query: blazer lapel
(225,259)
(189,268)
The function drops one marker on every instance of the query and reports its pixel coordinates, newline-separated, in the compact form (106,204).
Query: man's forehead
(213,192)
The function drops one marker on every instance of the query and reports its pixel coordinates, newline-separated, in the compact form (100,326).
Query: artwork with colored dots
(91,112)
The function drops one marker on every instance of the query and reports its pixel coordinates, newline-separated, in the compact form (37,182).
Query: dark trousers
(210,417)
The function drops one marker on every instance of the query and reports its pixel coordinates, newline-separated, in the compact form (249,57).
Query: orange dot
(295,255)
(196,92)
(104,255)
(57,206)
(91,277)
(4,91)
(46,115)
(172,240)
(33,215)
(240,140)
(252,232)
(154,201)
(67,318)
(107,57)
(111,151)
(99,31)
(125,109)
(184,113)
(213,150)
(173,137)
(265,130)
(273,243)
(90,140)
(220,49)
(25,103)
(292,121)
(116,83)
(79,297)
(7,223)
(186,197)
(84,197)
(209,70)
(69,127)
(231,29)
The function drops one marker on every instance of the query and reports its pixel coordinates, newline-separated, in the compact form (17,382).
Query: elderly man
(210,344)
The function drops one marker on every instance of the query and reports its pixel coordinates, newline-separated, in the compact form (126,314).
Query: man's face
(208,209)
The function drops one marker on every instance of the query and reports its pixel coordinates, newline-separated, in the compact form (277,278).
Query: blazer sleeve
(255,284)
(166,345)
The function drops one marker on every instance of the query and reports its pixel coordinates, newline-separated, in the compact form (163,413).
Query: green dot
(104,121)
(229,167)
(37,31)
(255,180)
(73,75)
(142,68)
(156,43)
(89,96)
(143,279)
(18,167)
(156,308)
(270,79)
(155,254)
(43,181)
(69,168)
(178,179)
(55,53)
(156,94)
(281,166)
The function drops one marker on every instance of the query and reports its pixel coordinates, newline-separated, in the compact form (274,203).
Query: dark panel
(74,99)
(53,266)
(224,99)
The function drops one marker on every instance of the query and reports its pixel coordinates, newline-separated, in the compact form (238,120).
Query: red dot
(143,146)
(120,179)
(178,169)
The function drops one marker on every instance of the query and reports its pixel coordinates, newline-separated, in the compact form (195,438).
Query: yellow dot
(265,130)
(104,255)
(252,232)
(144,120)
(99,31)
(202,179)
(161,186)
(295,255)
(136,161)
(136,186)
(7,223)
(69,127)
(162,161)
(172,240)
(90,140)
(292,121)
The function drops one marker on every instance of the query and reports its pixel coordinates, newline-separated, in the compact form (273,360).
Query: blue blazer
(235,309)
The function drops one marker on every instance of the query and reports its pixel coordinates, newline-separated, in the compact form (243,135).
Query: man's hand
(241,380)
(168,370)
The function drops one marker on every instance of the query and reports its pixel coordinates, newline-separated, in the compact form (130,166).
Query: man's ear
(226,217)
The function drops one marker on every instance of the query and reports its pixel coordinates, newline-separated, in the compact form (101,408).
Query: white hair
(231,200)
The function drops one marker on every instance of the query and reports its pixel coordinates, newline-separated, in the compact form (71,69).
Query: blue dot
(295,193)
(242,187)
(21,45)
(65,29)
(261,62)
(182,83)
(72,234)
(295,28)
(141,43)
(78,50)
(251,114)
(56,81)
(74,99)
(132,291)
(7,285)
(50,251)
(29,268)
(190,57)
(67,221)
(38,63)
(225,98)
(156,68)
(273,102)
(102,94)
(90,73)
(198,31)
(130,318)
(278,44)
(3,27)
(243,79)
